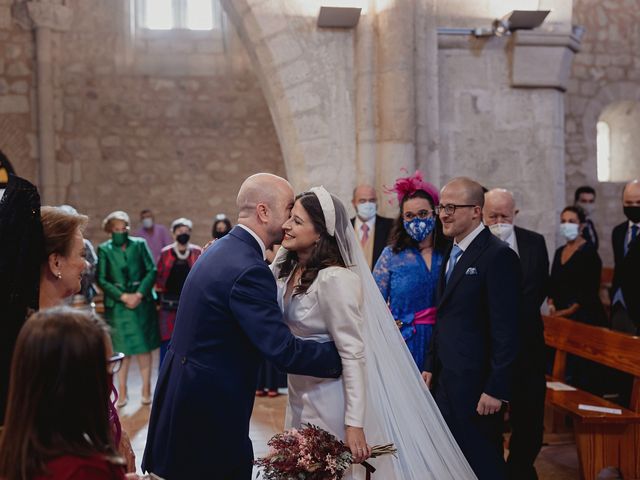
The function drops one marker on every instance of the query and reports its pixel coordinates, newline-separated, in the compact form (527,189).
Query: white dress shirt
(513,242)
(258,239)
(466,241)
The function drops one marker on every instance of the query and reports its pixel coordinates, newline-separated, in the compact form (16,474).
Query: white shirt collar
(513,242)
(466,241)
(371,222)
(258,239)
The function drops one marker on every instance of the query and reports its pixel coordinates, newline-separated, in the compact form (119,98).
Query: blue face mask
(419,229)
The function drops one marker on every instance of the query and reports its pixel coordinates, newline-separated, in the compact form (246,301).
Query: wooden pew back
(607,347)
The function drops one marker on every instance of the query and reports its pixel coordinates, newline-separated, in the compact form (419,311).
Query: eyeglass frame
(114,362)
(451,206)
(430,213)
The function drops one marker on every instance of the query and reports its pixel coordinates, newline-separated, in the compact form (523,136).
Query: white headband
(328,209)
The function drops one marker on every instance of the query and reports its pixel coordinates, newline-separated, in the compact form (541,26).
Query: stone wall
(17,95)
(502,136)
(605,71)
(172,121)
(175,120)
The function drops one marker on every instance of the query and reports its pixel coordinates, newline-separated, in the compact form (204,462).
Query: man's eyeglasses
(114,362)
(422,214)
(450,208)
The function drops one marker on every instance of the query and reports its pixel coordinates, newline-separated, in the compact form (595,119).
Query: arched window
(618,142)
(176,14)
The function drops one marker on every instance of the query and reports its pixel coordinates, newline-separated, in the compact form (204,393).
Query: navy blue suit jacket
(228,317)
(476,336)
(625,274)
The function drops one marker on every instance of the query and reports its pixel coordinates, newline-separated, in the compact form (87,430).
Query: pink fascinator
(408,185)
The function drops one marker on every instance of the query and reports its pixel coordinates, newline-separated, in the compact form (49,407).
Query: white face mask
(588,208)
(366,210)
(502,230)
(569,230)
(147,222)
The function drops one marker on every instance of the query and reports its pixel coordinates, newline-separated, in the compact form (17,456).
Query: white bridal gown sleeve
(340,300)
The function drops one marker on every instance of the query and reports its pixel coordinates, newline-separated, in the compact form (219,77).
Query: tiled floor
(554,462)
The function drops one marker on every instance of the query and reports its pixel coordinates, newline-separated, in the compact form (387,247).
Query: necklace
(181,256)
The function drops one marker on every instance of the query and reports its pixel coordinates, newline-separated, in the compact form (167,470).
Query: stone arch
(610,94)
(14,145)
(307,79)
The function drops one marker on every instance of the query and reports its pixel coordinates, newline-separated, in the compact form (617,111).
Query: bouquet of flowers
(311,453)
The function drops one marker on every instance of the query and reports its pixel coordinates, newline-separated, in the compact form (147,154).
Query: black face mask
(632,213)
(218,235)
(183,238)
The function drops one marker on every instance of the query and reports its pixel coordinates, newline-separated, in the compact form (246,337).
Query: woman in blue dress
(408,269)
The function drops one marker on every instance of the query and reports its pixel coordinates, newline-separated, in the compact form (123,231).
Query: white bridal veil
(400,409)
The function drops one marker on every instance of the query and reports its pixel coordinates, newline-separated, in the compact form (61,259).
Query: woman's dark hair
(400,239)
(582,217)
(215,224)
(326,252)
(58,393)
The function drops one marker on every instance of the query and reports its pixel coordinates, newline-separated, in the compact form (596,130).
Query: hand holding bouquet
(311,454)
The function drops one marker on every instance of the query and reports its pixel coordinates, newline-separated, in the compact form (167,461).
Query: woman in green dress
(126,274)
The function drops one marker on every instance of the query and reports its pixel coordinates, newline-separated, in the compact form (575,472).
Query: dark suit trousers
(479,437)
(527,421)
(241,473)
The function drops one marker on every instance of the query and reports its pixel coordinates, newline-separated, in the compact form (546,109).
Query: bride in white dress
(327,293)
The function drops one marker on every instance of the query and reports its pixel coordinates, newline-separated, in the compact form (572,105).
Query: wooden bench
(602,439)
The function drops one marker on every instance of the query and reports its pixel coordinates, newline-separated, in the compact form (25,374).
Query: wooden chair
(602,439)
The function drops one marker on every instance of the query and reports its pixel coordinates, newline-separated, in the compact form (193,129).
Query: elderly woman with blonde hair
(126,274)
(64,262)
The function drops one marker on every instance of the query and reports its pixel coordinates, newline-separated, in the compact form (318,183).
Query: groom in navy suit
(476,337)
(228,317)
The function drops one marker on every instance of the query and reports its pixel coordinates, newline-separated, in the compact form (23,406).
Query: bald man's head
(264,203)
(472,190)
(261,188)
(631,192)
(499,207)
(466,198)
(365,201)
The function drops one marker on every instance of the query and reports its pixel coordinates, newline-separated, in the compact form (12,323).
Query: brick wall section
(166,121)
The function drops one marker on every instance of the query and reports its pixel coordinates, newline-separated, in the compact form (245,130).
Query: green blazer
(125,271)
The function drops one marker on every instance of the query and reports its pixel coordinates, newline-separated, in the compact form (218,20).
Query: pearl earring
(59,275)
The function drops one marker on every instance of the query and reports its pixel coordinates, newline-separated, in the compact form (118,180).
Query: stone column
(396,94)
(427,92)
(365,64)
(47,17)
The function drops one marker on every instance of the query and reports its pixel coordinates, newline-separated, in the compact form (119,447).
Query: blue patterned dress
(409,286)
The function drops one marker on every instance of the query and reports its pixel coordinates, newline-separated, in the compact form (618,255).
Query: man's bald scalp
(503,193)
(632,184)
(473,190)
(363,185)
(259,188)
